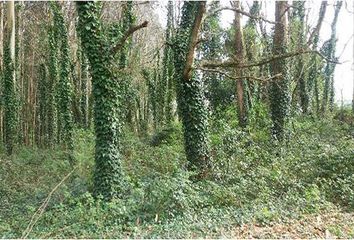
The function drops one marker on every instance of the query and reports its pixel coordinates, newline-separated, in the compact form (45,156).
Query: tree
(64,87)
(279,91)
(299,19)
(190,97)
(211,50)
(9,89)
(313,87)
(109,177)
(241,84)
(168,70)
(329,49)
(1,67)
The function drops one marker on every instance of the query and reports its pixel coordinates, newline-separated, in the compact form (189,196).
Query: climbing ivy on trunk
(109,177)
(64,86)
(279,91)
(190,95)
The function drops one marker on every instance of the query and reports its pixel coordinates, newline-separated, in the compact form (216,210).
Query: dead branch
(130,31)
(43,206)
(258,17)
(319,22)
(240,77)
(235,64)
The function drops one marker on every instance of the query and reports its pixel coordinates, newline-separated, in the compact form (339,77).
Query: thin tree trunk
(240,58)
(280,99)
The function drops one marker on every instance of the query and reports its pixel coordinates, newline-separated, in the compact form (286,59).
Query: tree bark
(279,96)
(240,58)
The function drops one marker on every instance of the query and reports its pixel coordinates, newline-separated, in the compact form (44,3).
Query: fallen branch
(43,206)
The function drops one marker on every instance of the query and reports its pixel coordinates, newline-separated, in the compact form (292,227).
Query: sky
(344,73)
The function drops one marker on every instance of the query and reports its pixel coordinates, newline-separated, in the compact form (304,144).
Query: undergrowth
(254,180)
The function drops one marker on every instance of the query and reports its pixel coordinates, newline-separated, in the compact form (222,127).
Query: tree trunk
(280,86)
(9,79)
(241,93)
(190,95)
(109,178)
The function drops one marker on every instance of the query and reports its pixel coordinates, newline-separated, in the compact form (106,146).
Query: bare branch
(130,31)
(319,22)
(258,17)
(241,77)
(235,64)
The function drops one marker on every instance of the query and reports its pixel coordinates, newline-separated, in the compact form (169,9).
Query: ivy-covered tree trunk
(329,50)
(313,77)
(126,90)
(190,97)
(168,68)
(52,84)
(211,51)
(1,69)
(279,91)
(42,105)
(241,85)
(84,97)
(9,89)
(109,178)
(108,175)
(299,17)
(253,49)
(65,88)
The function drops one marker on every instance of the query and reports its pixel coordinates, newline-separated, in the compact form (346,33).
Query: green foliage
(167,135)
(253,180)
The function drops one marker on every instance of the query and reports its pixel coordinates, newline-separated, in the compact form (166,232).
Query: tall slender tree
(65,88)
(313,77)
(299,19)
(168,68)
(279,92)
(9,88)
(240,55)
(329,50)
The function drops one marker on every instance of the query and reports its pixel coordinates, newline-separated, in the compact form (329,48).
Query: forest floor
(327,225)
(303,188)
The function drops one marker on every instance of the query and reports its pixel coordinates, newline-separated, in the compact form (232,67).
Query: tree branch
(241,12)
(130,31)
(240,77)
(235,64)
(317,29)
(193,40)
